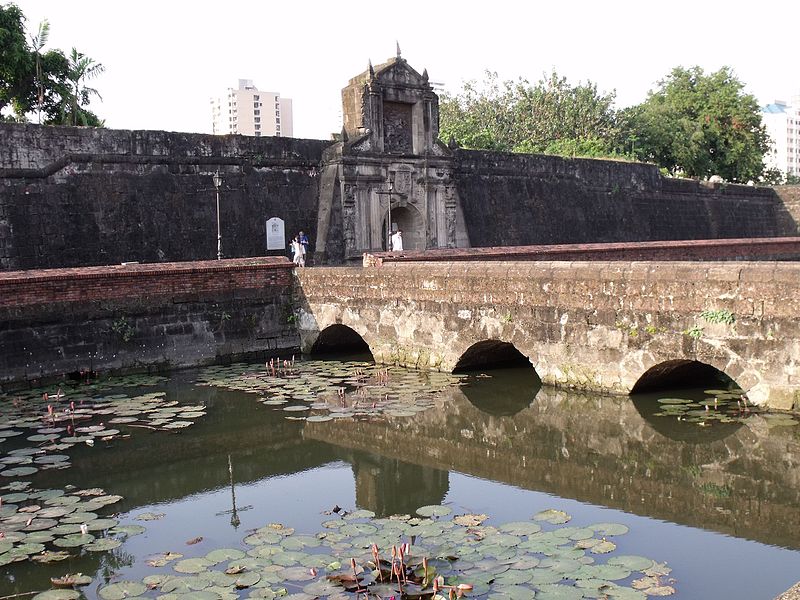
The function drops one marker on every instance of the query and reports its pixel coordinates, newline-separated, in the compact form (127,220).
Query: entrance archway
(408,220)
(339,339)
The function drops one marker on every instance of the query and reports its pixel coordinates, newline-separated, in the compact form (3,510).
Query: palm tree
(80,68)
(38,42)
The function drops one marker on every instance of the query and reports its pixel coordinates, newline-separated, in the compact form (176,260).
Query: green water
(718,503)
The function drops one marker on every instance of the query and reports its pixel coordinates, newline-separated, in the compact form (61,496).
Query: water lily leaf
(159,560)
(149,516)
(604,547)
(192,565)
(49,556)
(553,516)
(224,554)
(520,528)
(559,592)
(353,529)
(127,530)
(470,520)
(78,579)
(57,595)
(632,563)
(74,540)
(246,580)
(360,514)
(18,472)
(433,510)
(103,544)
(608,529)
(122,590)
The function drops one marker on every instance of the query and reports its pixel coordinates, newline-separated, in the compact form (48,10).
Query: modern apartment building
(782,120)
(249,111)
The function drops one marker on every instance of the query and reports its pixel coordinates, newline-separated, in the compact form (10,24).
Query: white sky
(165,59)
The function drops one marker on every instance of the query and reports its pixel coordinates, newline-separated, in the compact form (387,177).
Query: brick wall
(733,249)
(59,321)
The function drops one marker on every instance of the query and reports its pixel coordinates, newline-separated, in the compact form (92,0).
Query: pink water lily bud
(313,572)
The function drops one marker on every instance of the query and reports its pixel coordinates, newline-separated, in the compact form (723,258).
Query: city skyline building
(782,120)
(246,110)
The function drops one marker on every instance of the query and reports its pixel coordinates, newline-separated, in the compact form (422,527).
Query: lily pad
(553,516)
(433,510)
(103,544)
(57,595)
(122,590)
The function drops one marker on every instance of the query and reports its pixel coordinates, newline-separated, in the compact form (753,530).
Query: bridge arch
(682,373)
(339,338)
(491,353)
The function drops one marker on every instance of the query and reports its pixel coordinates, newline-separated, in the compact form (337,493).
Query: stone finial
(452,144)
(371,70)
(425,75)
(398,48)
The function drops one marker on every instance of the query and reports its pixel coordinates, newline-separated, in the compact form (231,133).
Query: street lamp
(389,224)
(217,179)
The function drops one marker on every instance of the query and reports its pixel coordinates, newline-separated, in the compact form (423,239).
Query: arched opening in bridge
(501,380)
(409,221)
(689,401)
(682,374)
(340,339)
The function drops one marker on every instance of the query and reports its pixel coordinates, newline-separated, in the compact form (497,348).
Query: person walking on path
(303,239)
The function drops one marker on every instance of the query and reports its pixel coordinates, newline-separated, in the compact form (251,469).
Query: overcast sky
(165,59)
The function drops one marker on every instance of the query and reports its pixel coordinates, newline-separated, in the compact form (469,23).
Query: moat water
(718,501)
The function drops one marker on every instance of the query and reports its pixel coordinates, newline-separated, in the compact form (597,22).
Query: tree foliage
(694,124)
(701,125)
(551,116)
(15,58)
(47,83)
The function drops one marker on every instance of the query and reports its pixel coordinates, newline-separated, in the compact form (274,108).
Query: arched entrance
(339,339)
(408,220)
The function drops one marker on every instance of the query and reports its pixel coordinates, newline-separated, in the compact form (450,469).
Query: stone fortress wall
(73,196)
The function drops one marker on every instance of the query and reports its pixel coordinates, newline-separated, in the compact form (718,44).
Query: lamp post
(389,224)
(217,179)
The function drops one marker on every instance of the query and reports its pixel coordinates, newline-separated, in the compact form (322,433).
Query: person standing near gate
(303,239)
(397,241)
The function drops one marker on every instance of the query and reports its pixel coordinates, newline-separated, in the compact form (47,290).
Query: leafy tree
(80,68)
(700,125)
(38,42)
(50,83)
(551,116)
(15,59)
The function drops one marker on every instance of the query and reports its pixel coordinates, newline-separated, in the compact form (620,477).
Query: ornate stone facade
(389,171)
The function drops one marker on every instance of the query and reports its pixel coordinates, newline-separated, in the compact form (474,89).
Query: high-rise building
(782,120)
(249,111)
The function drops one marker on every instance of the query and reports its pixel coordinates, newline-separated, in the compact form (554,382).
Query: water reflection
(502,392)
(680,430)
(740,479)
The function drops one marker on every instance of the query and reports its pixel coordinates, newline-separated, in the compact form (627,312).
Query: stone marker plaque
(276,234)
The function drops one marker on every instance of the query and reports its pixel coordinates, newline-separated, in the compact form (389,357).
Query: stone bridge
(617,327)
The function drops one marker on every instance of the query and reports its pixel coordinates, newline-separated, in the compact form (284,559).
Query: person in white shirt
(397,241)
